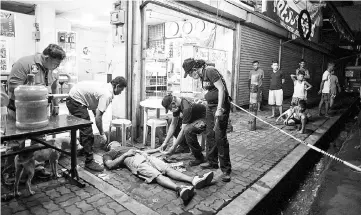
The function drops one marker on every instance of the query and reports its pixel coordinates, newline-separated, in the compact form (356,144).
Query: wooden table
(57,124)
(149,104)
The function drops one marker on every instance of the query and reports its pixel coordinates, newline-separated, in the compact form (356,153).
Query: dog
(25,162)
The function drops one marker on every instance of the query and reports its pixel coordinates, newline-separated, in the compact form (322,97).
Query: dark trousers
(217,142)
(86,133)
(190,136)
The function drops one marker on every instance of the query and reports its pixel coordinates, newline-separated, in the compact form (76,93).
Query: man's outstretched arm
(112,164)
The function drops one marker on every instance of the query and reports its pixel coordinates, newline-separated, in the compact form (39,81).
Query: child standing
(333,87)
(296,115)
(325,89)
(275,96)
(300,88)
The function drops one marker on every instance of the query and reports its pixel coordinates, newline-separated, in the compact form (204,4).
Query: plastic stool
(154,123)
(120,124)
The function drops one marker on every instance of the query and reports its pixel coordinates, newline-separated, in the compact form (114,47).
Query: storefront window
(173,37)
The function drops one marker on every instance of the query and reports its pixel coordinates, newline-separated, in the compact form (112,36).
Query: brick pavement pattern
(252,153)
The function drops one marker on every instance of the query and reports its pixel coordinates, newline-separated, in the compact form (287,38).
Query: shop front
(171,36)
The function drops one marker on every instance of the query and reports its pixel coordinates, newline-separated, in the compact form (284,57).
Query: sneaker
(209,166)
(185,192)
(196,162)
(94,166)
(200,182)
(42,173)
(226,177)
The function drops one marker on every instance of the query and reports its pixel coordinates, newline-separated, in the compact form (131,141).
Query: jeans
(86,133)
(217,142)
(190,133)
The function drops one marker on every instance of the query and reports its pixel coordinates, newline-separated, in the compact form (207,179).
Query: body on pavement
(150,168)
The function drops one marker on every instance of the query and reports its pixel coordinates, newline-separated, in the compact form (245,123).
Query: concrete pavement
(254,155)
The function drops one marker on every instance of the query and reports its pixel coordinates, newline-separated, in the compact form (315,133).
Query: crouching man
(193,123)
(95,96)
(150,168)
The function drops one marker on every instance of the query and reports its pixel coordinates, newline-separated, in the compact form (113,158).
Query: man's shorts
(152,168)
(326,97)
(275,97)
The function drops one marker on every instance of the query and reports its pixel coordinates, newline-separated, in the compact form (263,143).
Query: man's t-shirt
(276,80)
(94,95)
(333,84)
(256,76)
(191,111)
(29,65)
(131,162)
(326,84)
(211,76)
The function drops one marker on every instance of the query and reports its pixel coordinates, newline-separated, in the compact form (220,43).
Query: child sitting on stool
(296,115)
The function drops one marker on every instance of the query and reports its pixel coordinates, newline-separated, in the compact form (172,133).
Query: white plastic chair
(122,125)
(154,124)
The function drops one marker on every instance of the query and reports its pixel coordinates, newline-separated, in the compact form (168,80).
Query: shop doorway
(171,37)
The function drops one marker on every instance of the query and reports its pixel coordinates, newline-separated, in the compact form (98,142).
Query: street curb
(117,195)
(258,192)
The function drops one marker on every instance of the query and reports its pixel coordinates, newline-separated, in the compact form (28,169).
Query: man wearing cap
(218,109)
(94,96)
(42,66)
(193,123)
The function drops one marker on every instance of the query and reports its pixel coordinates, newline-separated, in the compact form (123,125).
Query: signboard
(7,24)
(4,58)
(286,13)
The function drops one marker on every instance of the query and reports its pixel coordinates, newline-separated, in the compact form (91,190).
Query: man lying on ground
(296,115)
(150,168)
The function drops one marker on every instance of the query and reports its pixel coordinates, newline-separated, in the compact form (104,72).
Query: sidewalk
(254,155)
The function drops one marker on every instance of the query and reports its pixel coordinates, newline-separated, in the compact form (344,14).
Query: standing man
(254,84)
(193,123)
(303,67)
(94,96)
(325,89)
(275,96)
(218,109)
(42,66)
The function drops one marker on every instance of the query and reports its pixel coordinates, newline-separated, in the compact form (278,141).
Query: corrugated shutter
(255,45)
(314,63)
(290,58)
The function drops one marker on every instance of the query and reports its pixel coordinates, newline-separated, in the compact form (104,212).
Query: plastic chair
(120,125)
(154,124)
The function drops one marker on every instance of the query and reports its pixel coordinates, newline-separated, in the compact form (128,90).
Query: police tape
(303,142)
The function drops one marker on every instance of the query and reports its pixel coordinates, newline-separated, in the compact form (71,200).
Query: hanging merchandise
(7,24)
(4,56)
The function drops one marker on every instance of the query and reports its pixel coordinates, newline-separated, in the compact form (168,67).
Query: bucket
(31,102)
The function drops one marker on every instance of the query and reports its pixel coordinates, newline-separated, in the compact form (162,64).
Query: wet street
(331,188)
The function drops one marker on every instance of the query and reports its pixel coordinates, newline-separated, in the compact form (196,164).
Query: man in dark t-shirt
(193,123)
(275,96)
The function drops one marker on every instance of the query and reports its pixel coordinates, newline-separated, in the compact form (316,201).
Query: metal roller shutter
(255,45)
(290,58)
(316,66)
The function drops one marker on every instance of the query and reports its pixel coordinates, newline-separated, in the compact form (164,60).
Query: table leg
(73,173)
(145,126)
